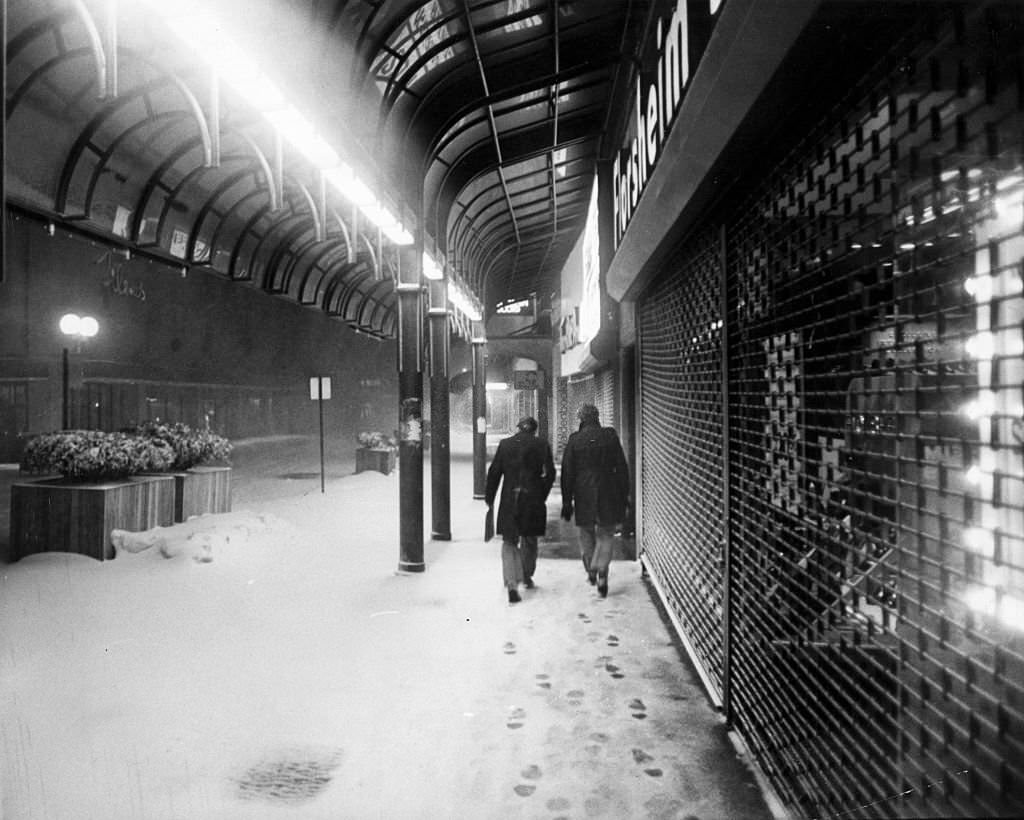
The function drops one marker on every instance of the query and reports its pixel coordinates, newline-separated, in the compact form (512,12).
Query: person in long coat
(525,469)
(595,485)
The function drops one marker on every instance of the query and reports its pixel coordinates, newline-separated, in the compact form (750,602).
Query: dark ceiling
(486,117)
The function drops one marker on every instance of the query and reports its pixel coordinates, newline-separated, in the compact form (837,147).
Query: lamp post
(78,328)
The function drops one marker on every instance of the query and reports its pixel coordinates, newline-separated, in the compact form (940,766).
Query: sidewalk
(298,675)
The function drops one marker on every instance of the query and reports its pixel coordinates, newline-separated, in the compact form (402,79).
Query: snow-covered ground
(271,663)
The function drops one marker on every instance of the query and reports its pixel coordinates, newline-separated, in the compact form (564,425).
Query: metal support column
(543,392)
(440,418)
(410,414)
(479,411)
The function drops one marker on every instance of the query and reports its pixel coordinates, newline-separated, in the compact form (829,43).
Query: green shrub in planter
(190,447)
(94,455)
(377,441)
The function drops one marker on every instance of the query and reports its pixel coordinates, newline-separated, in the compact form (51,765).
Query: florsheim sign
(656,97)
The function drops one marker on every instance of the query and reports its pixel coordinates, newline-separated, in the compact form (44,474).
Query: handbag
(489,524)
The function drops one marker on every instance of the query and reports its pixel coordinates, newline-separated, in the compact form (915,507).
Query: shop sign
(525,379)
(569,331)
(656,99)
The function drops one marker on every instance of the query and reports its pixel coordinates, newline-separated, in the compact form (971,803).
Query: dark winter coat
(595,476)
(524,467)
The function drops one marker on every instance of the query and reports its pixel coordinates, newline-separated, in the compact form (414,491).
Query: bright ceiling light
(463,303)
(200,30)
(430,268)
(302,136)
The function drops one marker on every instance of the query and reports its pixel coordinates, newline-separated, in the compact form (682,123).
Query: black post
(410,413)
(440,420)
(479,412)
(65,418)
(542,406)
(320,402)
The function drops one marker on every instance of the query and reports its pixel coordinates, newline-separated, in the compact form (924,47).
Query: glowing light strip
(199,29)
(461,301)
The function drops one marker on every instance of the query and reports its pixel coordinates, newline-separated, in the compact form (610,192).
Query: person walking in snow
(525,469)
(595,485)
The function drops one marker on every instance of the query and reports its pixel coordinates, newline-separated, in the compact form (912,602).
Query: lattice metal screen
(681,445)
(876,359)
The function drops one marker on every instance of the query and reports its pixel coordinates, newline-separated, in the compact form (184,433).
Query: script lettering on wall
(112,263)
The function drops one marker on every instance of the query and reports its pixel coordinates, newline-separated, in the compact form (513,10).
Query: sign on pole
(320,391)
(320,387)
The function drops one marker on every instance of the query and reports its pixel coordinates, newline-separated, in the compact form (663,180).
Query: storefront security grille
(868,634)
(681,466)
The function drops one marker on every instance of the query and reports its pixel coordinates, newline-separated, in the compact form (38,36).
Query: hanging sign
(656,99)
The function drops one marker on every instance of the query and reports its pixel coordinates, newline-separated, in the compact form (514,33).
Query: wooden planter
(201,490)
(60,515)
(383,461)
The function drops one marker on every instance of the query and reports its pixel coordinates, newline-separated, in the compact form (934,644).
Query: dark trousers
(518,559)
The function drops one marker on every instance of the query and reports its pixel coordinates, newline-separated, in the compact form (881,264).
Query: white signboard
(320,387)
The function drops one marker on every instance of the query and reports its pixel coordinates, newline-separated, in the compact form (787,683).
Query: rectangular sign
(526,379)
(320,387)
(670,55)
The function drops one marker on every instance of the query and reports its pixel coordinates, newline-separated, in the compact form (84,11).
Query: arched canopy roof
(481,119)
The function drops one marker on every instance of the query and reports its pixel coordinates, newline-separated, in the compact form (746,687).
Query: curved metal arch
(101,117)
(434,149)
(95,44)
(229,181)
(51,24)
(546,238)
(377,262)
(390,96)
(352,250)
(319,264)
(286,253)
(15,99)
(453,232)
(268,173)
(275,223)
(318,221)
(350,290)
(450,232)
(112,148)
(296,252)
(173,196)
(246,231)
(378,313)
(228,214)
(375,304)
(343,280)
(152,184)
(351,307)
(461,173)
(482,30)
(280,238)
(366,48)
(37,29)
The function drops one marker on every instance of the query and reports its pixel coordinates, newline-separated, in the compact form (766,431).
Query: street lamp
(79,328)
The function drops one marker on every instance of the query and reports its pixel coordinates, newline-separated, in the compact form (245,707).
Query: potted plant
(376,452)
(202,476)
(99,489)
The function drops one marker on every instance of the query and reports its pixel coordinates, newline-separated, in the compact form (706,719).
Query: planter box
(383,461)
(201,490)
(59,515)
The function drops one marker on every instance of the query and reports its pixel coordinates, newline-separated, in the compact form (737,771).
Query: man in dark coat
(595,484)
(524,467)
